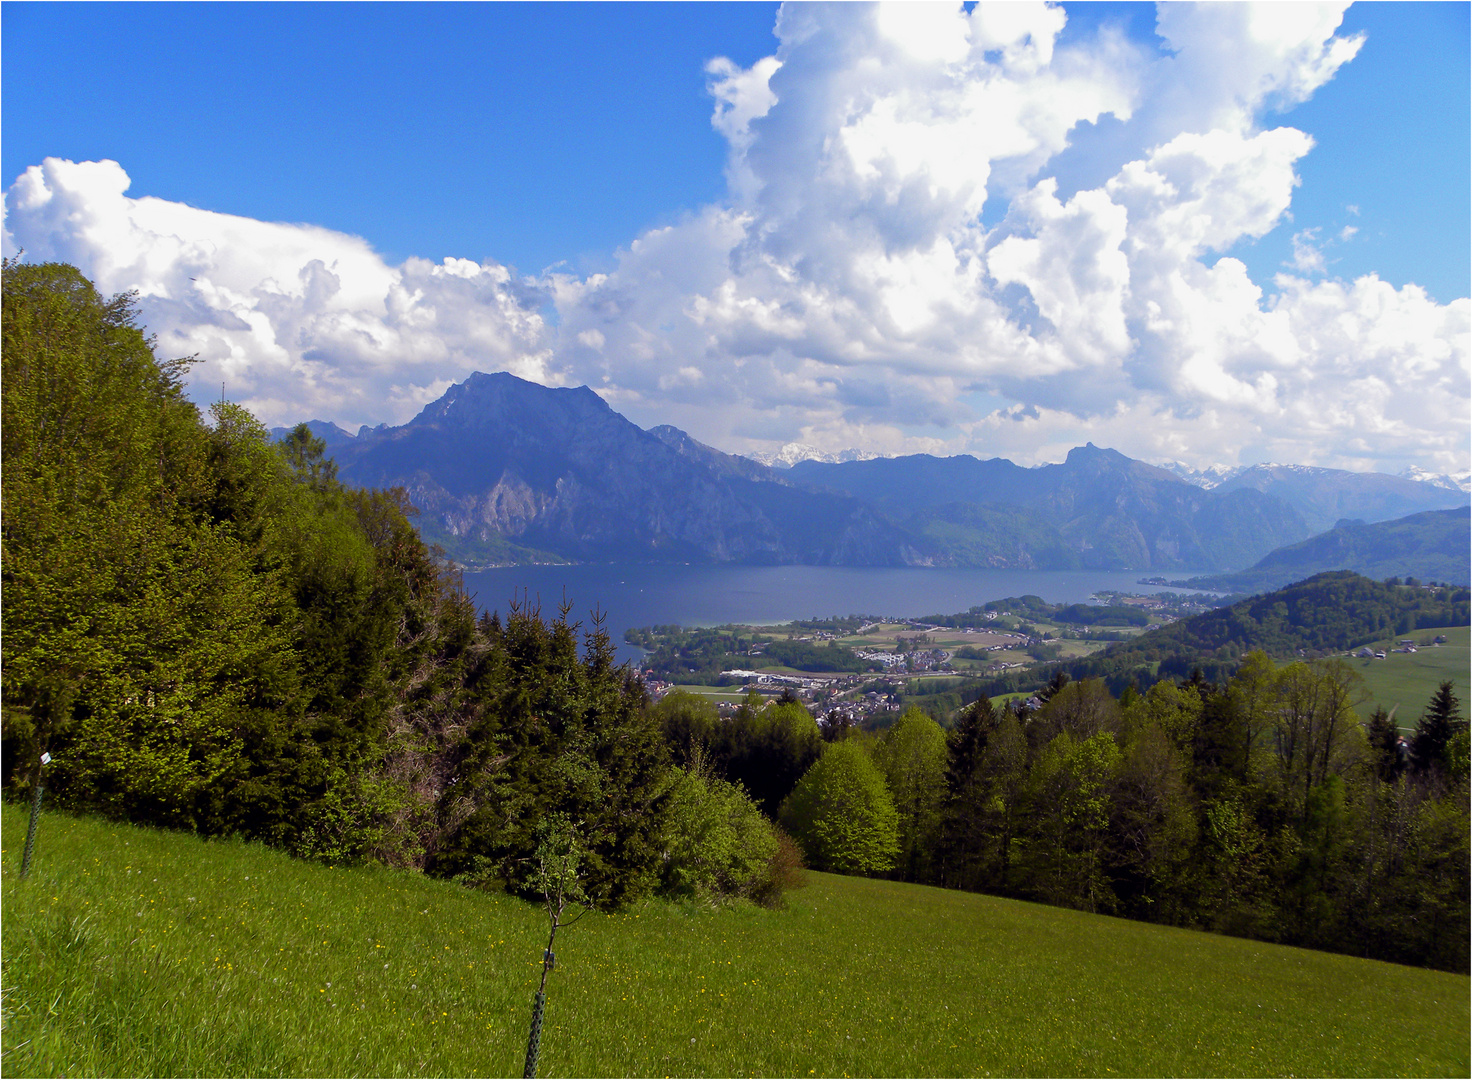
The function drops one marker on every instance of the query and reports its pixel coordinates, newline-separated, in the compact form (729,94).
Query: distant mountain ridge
(500,468)
(1435,545)
(792,453)
(325,430)
(1325,496)
(505,470)
(1457,482)
(1098,509)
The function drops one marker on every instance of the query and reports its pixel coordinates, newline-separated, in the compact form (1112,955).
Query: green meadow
(1406,681)
(136,952)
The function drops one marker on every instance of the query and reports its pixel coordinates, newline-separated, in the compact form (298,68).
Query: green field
(1406,681)
(733,695)
(133,952)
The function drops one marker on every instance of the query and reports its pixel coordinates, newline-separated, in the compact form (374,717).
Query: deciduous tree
(842,815)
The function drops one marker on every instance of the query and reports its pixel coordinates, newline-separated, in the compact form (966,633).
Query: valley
(866,671)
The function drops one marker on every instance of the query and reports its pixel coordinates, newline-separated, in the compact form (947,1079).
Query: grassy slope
(1408,680)
(131,952)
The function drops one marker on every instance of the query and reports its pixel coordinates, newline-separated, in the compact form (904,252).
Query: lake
(635,594)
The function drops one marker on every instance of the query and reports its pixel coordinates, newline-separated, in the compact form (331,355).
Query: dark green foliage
(1433,543)
(767,749)
(681,655)
(836,624)
(764,747)
(1328,613)
(208,631)
(1383,736)
(1036,609)
(1438,726)
(690,724)
(994,536)
(808,656)
(555,731)
(1259,806)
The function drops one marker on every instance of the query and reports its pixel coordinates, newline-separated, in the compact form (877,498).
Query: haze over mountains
(505,470)
(1431,546)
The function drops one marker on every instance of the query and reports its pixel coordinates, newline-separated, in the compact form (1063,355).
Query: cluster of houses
(1405,645)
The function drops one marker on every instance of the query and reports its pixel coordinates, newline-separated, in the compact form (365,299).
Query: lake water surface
(634,594)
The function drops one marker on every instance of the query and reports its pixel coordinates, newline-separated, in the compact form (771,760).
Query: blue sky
(526,133)
(859,248)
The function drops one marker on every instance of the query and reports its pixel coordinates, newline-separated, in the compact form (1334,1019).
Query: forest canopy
(206,630)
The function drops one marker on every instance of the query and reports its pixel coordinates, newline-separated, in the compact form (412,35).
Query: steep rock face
(558,470)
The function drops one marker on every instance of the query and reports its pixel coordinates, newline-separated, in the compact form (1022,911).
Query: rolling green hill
(137,952)
(1327,613)
(1405,682)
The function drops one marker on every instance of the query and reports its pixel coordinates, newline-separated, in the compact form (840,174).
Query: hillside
(1432,546)
(1330,612)
(131,952)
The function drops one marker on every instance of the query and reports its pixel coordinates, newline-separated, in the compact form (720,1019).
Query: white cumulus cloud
(847,292)
(295,320)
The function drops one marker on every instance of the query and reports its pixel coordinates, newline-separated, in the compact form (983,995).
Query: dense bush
(717,843)
(842,815)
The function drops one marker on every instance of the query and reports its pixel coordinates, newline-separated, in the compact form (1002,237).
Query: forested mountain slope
(1327,613)
(1434,546)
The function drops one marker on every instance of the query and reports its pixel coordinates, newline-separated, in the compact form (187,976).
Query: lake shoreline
(639,594)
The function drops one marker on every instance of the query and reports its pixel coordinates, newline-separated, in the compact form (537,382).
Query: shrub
(784,871)
(718,844)
(842,814)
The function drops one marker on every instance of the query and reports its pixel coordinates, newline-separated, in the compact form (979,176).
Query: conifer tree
(1438,725)
(967,792)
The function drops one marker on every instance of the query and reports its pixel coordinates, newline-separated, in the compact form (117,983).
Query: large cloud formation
(848,291)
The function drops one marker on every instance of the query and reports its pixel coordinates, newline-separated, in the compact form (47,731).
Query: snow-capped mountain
(1207,478)
(793,452)
(1216,475)
(1454,482)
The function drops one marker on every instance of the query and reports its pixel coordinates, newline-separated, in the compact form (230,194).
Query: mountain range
(504,470)
(1431,546)
(1261,475)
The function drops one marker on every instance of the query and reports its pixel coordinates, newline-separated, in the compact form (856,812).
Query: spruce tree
(966,794)
(1384,737)
(1434,732)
